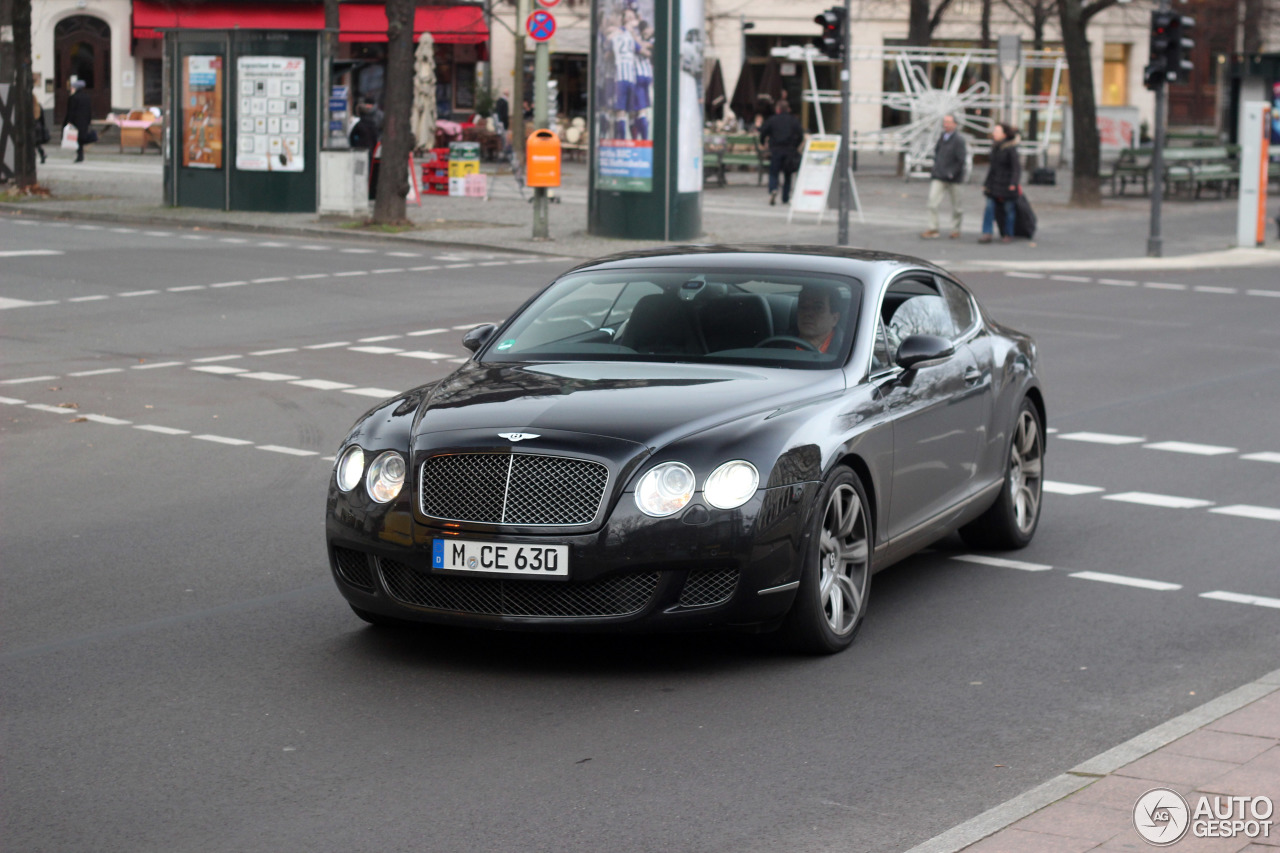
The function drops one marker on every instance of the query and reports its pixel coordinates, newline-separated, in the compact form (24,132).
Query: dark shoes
(773,198)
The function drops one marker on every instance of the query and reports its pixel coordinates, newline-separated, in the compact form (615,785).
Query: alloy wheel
(843,560)
(1026,466)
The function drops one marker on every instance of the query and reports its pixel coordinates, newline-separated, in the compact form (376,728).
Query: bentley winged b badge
(517,436)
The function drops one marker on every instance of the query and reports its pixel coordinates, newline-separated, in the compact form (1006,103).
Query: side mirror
(477,337)
(918,349)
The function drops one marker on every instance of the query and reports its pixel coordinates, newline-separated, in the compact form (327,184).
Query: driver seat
(735,322)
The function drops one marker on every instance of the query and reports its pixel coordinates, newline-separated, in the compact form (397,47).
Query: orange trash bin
(542,159)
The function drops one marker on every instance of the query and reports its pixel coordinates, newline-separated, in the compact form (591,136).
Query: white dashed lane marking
(1002,563)
(1101,438)
(1245,511)
(1149,285)
(1123,580)
(1194,449)
(1166,501)
(1240,598)
(1055,488)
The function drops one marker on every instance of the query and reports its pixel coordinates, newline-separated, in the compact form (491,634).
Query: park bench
(743,149)
(1133,165)
(713,148)
(1194,169)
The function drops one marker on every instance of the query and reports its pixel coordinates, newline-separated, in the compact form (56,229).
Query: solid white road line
(222,439)
(1149,499)
(321,384)
(1264,513)
(98,372)
(377,350)
(1240,598)
(423,354)
(382,393)
(292,451)
(1002,563)
(163,430)
(21,253)
(158,364)
(1195,449)
(1053,487)
(267,376)
(1101,438)
(222,369)
(1122,580)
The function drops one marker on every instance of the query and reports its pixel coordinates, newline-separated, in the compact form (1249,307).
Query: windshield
(783,319)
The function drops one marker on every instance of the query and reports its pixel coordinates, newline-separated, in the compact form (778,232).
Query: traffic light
(831,42)
(1170,48)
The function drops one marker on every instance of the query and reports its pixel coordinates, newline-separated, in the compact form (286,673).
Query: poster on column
(270,117)
(624,95)
(202,112)
(690,117)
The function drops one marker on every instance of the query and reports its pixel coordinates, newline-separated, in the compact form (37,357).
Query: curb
(1086,773)
(248,227)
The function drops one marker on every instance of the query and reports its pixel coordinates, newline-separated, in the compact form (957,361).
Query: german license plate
(545,561)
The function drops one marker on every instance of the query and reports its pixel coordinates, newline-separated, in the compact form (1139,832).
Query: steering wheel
(774,340)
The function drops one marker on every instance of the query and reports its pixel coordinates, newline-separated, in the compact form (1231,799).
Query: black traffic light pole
(842,161)
(1168,63)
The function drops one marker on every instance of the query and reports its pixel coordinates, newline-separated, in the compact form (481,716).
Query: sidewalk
(1229,747)
(128,188)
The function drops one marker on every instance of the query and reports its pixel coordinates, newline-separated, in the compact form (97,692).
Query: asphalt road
(178,673)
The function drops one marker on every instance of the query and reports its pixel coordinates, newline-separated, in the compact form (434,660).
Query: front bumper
(701,568)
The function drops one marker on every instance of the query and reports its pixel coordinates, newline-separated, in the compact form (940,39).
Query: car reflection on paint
(710,437)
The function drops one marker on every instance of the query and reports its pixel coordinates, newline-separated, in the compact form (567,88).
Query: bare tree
(1036,15)
(393,177)
(924,20)
(1075,16)
(24,151)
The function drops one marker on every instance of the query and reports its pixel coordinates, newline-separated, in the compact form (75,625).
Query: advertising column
(647,119)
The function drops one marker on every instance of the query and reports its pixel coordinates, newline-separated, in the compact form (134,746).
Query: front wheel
(1012,519)
(832,597)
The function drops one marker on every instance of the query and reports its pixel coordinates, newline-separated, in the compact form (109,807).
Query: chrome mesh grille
(512,488)
(708,587)
(353,567)
(617,596)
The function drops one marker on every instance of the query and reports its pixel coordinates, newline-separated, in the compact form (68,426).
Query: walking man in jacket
(784,136)
(949,158)
(79,115)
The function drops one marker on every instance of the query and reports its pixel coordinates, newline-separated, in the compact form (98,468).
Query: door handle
(972,376)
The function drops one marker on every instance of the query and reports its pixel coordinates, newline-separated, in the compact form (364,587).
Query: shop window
(1115,74)
(152,82)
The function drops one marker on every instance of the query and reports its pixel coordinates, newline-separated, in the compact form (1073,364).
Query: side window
(914,306)
(881,355)
(959,304)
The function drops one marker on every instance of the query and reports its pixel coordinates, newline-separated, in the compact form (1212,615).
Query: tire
(832,597)
(1012,520)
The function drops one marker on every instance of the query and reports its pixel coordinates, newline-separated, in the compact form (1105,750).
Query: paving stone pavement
(129,188)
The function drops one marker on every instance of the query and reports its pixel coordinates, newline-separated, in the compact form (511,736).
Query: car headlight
(731,485)
(350,467)
(386,476)
(667,488)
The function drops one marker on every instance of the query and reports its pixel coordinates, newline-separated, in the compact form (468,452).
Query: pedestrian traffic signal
(831,42)
(1170,49)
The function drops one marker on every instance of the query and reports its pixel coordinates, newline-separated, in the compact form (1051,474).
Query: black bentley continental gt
(702,437)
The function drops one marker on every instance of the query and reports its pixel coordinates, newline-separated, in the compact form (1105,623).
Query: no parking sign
(541,25)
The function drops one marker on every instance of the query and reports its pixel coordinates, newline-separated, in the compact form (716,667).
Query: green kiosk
(647,117)
(242,129)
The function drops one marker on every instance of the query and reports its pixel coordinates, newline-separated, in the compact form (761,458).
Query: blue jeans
(777,162)
(989,215)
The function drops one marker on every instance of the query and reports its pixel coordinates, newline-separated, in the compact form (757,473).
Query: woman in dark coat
(1001,187)
(80,115)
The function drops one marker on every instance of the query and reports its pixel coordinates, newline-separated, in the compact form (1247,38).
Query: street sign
(548,3)
(541,25)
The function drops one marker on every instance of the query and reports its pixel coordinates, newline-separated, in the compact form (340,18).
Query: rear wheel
(1012,519)
(832,597)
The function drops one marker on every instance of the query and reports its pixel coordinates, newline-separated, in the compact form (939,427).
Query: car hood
(645,403)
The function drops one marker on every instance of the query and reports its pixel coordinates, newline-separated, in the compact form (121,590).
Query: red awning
(447,24)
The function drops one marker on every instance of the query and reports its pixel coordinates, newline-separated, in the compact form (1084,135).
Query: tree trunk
(393,176)
(1037,74)
(919,30)
(1085,185)
(24,149)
